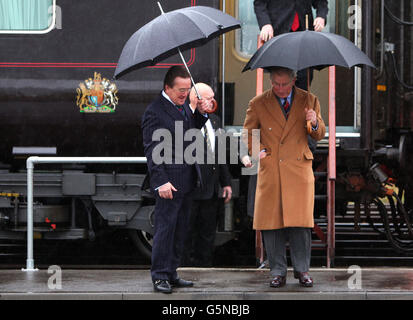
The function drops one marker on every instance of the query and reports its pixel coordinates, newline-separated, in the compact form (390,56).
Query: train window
(27,16)
(348,93)
(246,37)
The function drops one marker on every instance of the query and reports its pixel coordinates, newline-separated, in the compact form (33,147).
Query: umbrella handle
(309,127)
(214,106)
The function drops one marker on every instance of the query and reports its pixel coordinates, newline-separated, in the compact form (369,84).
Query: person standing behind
(281,16)
(172,183)
(284,201)
(203,220)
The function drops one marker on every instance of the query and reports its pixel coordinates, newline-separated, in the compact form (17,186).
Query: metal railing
(31,161)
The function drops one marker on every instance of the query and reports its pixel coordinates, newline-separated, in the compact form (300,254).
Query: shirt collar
(282,100)
(289,98)
(167,97)
(190,107)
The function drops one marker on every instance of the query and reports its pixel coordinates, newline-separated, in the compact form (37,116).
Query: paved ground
(218,284)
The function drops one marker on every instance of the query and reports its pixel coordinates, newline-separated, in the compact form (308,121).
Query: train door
(343,19)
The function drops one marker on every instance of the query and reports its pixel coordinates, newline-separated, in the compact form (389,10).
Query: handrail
(31,161)
(331,166)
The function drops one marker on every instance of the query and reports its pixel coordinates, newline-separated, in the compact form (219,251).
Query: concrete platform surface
(210,284)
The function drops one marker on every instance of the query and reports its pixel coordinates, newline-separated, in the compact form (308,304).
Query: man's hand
(204,105)
(310,115)
(227,193)
(165,191)
(246,161)
(319,24)
(267,32)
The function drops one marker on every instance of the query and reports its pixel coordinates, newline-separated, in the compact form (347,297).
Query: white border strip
(50,28)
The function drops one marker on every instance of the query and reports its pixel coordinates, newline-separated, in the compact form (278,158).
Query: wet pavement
(219,284)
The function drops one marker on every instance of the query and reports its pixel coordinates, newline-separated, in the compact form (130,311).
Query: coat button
(270,129)
(281,160)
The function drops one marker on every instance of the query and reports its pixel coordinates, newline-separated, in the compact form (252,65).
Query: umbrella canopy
(300,50)
(179,29)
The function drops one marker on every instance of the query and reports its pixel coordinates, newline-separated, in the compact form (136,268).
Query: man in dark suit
(171,178)
(205,207)
(280,16)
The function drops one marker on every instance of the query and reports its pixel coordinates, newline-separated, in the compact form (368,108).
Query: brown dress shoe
(278,282)
(304,279)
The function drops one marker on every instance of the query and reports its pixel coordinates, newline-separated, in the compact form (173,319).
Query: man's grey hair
(282,70)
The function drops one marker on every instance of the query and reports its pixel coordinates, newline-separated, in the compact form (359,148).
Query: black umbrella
(304,49)
(172,32)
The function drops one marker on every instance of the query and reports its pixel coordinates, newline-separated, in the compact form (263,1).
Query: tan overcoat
(285,184)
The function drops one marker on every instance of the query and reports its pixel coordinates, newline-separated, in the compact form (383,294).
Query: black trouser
(171,227)
(302,79)
(203,224)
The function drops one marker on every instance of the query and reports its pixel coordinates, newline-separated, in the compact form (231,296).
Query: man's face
(282,84)
(180,90)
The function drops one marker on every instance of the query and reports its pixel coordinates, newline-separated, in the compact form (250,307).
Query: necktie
(207,138)
(286,107)
(296,23)
(181,110)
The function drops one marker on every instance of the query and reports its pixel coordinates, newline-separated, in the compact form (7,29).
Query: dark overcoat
(280,13)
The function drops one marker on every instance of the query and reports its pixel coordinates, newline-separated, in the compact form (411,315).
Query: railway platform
(221,284)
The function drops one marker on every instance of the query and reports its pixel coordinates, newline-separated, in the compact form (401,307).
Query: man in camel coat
(284,198)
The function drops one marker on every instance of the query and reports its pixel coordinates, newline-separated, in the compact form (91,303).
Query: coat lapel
(189,113)
(294,115)
(174,113)
(274,109)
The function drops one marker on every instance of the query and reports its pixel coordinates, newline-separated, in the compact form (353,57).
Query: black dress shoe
(181,283)
(304,279)
(162,286)
(278,282)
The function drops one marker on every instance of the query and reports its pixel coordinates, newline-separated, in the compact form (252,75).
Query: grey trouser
(275,242)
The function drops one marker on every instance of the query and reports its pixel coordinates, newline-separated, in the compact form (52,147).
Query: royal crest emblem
(97,95)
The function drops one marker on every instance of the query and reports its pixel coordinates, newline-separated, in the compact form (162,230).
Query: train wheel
(142,241)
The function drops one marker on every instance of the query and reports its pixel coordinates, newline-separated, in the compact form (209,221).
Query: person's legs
(302,79)
(206,230)
(300,248)
(181,233)
(192,234)
(166,216)
(275,247)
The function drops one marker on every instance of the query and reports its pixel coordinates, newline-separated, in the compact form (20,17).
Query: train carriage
(50,66)
(58,98)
